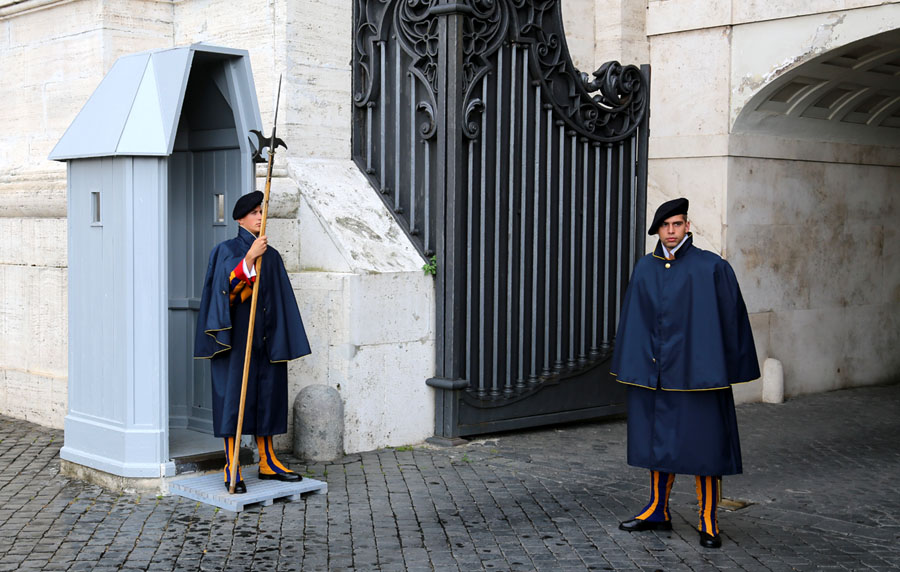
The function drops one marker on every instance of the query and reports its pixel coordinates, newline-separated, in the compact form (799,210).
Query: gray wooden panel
(97,296)
(196,177)
(215,172)
(179,275)
(146,212)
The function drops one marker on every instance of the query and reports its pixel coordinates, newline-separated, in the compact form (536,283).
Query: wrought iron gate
(500,160)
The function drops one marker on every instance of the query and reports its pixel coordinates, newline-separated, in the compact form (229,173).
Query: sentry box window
(219,208)
(95,208)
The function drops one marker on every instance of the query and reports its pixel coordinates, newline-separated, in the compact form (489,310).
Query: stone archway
(813,200)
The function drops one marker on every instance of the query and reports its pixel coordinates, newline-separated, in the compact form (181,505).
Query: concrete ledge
(110,481)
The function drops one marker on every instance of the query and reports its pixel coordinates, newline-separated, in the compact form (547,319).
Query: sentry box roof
(135,109)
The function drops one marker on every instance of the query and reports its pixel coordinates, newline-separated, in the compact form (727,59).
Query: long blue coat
(278,337)
(683,339)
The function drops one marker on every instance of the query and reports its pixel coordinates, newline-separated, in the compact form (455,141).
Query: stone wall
(814,242)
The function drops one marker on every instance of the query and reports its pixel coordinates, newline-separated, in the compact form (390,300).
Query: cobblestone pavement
(821,472)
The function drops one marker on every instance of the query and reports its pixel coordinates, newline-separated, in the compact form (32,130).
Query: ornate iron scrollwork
(622,93)
(484,30)
(611,116)
(369,30)
(416,29)
(417,32)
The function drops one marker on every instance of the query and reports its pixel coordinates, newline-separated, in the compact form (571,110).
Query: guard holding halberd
(278,337)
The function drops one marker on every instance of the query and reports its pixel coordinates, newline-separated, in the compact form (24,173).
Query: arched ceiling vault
(849,94)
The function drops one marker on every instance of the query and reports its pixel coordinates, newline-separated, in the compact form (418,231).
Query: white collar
(671,253)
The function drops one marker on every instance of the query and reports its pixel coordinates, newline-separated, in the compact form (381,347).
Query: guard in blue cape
(278,337)
(683,340)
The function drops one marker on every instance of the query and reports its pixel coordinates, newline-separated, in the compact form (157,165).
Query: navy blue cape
(684,325)
(684,338)
(279,336)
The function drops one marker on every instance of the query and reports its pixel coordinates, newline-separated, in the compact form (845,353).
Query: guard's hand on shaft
(257,249)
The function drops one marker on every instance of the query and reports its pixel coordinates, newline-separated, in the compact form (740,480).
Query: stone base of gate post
(318,424)
(446,404)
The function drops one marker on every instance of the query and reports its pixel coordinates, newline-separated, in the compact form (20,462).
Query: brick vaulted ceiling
(849,94)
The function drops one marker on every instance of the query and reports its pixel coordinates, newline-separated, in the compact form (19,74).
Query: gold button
(654,360)
(668,265)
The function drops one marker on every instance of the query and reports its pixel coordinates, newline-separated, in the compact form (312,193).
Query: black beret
(245,204)
(666,210)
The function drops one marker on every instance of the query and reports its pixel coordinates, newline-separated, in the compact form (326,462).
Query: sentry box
(155,160)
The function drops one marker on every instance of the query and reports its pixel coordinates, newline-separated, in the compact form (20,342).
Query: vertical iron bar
(633,251)
(426,215)
(619,238)
(594,353)
(397,81)
(606,281)
(412,155)
(535,267)
(382,96)
(412,143)
(495,389)
(560,244)
(369,138)
(510,225)
(582,356)
(548,242)
(573,182)
(482,374)
(523,219)
(469,255)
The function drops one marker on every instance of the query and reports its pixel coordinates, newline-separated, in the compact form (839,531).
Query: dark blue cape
(684,329)
(279,336)
(684,325)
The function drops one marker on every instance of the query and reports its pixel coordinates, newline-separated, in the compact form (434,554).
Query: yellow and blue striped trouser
(657,510)
(268,462)
(708,499)
(229,448)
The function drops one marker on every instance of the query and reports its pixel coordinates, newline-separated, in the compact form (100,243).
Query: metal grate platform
(210,489)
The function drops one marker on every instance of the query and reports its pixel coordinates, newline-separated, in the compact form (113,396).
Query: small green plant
(404,448)
(465,458)
(430,267)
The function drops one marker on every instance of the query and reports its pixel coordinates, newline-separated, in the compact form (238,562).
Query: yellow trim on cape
(683,390)
(225,349)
